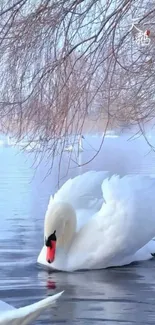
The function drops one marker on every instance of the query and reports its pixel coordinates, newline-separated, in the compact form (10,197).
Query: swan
(71,147)
(97,221)
(25,315)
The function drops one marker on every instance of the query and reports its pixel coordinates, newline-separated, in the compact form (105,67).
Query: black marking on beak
(48,241)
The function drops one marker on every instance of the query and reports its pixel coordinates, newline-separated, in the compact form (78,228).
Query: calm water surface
(114,296)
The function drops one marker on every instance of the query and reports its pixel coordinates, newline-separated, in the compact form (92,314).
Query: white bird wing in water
(124,224)
(5,307)
(25,315)
(84,193)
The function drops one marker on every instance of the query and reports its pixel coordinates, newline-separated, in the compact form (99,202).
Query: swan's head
(59,228)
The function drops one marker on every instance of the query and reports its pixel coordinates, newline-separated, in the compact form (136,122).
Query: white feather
(25,315)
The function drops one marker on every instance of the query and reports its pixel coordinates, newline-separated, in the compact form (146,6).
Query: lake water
(113,296)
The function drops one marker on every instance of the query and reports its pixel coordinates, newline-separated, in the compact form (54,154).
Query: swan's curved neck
(80,142)
(61,219)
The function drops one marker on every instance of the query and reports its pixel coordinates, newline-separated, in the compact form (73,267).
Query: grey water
(113,296)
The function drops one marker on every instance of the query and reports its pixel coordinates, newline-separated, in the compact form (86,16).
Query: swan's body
(76,146)
(25,315)
(101,222)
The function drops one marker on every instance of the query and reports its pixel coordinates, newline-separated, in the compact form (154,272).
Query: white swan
(97,222)
(23,316)
(76,146)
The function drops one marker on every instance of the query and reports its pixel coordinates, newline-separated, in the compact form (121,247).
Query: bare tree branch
(67,62)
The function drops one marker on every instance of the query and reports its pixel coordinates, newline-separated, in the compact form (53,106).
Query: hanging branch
(66,63)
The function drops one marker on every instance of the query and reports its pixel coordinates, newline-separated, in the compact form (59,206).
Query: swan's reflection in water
(113,296)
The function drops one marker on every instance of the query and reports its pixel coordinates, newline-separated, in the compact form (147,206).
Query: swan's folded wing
(124,224)
(83,191)
(128,216)
(26,315)
(5,307)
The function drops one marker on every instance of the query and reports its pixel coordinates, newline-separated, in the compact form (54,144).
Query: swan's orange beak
(50,253)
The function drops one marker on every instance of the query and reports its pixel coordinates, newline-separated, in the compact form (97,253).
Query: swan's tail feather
(26,315)
(146,252)
(151,247)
